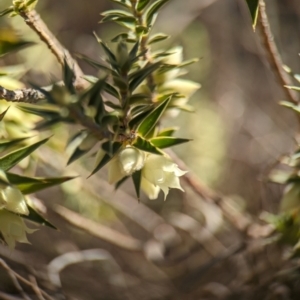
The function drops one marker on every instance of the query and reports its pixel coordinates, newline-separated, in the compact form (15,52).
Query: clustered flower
(12,226)
(159,172)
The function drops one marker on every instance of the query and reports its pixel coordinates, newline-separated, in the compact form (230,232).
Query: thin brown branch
(16,278)
(22,95)
(105,233)
(239,220)
(273,54)
(34,21)
(33,96)
(36,288)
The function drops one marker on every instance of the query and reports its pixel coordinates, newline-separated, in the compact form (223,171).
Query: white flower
(126,162)
(160,172)
(13,200)
(13,228)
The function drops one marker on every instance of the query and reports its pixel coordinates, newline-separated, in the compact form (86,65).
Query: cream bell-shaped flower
(13,200)
(125,163)
(160,173)
(13,228)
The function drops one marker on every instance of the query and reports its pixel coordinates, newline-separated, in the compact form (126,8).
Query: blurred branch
(105,233)
(34,21)
(239,220)
(36,288)
(4,296)
(273,54)
(61,262)
(23,95)
(16,278)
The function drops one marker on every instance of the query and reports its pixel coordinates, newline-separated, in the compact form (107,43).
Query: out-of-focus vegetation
(109,245)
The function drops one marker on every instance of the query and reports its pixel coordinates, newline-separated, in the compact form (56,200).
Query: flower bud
(126,162)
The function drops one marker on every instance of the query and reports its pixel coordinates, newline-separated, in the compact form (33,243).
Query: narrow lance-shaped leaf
(167,131)
(28,185)
(34,216)
(111,90)
(111,57)
(157,38)
(138,119)
(137,178)
(253,6)
(165,142)
(6,145)
(6,11)
(106,157)
(153,9)
(133,51)
(145,145)
(150,121)
(290,105)
(2,115)
(94,63)
(120,182)
(142,4)
(77,154)
(69,77)
(138,77)
(11,159)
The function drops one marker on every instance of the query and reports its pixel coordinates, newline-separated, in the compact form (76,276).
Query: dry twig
(273,54)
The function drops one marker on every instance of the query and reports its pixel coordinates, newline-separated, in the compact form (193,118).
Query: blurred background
(108,245)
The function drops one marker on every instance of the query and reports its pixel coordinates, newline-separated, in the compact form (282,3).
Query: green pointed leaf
(8,144)
(145,145)
(157,38)
(68,77)
(133,52)
(7,46)
(107,157)
(137,119)
(165,142)
(34,216)
(77,154)
(137,179)
(11,159)
(152,10)
(113,105)
(120,182)
(117,12)
(122,2)
(139,76)
(95,99)
(167,131)
(94,63)
(111,90)
(47,124)
(295,88)
(2,115)
(28,185)
(111,147)
(6,11)
(290,105)
(139,98)
(111,57)
(123,36)
(150,121)
(253,8)
(48,112)
(142,4)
